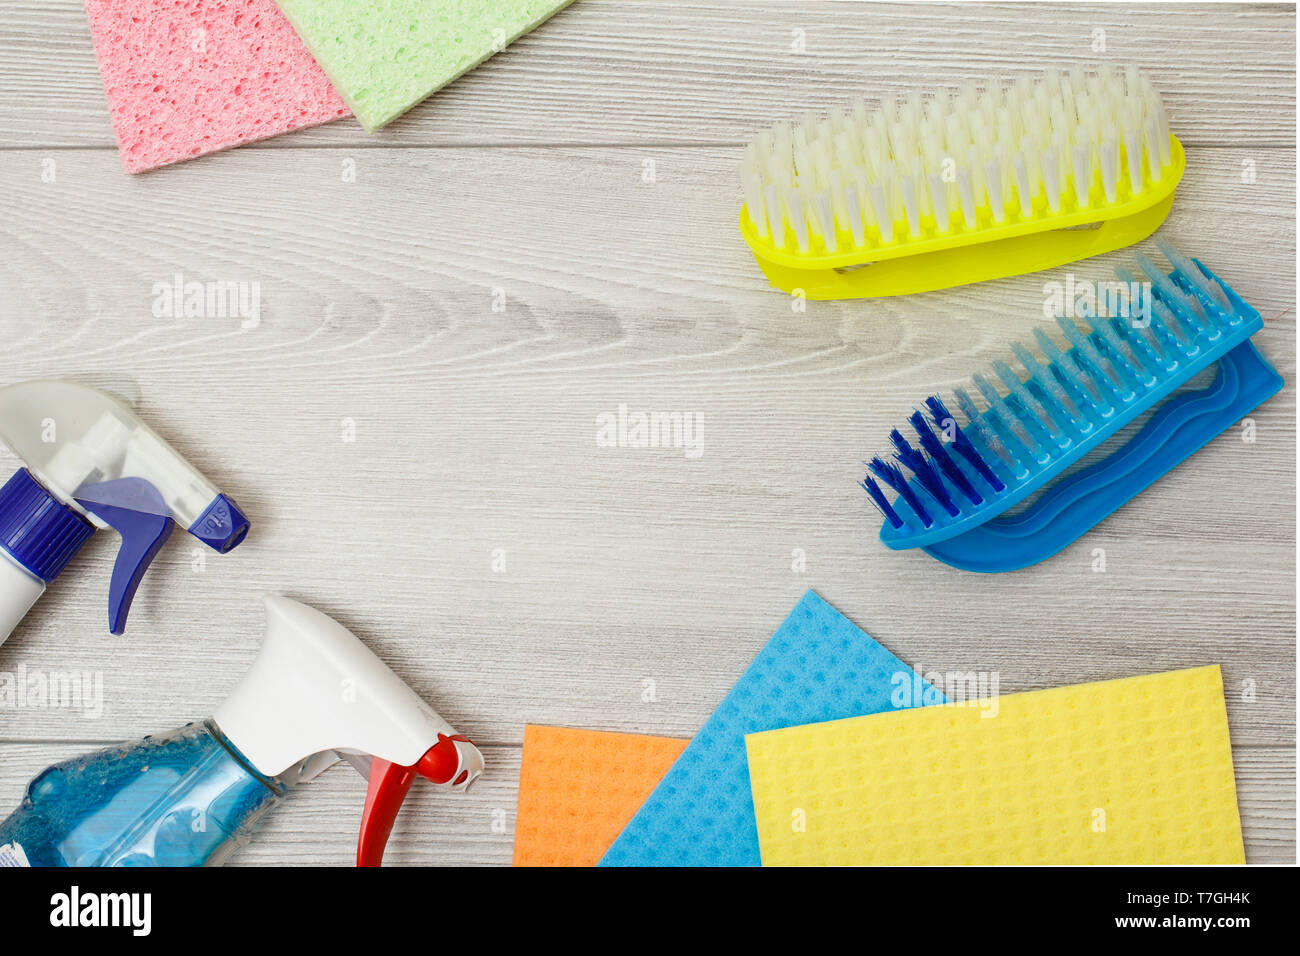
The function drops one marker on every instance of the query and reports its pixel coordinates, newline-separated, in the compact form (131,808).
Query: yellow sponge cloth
(1137,770)
(579,788)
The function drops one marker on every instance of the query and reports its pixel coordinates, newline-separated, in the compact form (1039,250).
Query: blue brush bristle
(934,448)
(1194,274)
(1144,345)
(892,475)
(965,447)
(1061,400)
(1165,338)
(1179,336)
(1009,432)
(1045,387)
(1095,368)
(1188,307)
(1121,359)
(925,470)
(1046,428)
(985,430)
(881,502)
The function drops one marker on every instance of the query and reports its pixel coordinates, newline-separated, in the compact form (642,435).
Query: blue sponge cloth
(818,666)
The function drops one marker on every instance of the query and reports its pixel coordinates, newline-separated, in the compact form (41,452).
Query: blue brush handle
(1075,504)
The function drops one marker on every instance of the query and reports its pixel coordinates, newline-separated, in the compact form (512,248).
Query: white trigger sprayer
(92,463)
(314,696)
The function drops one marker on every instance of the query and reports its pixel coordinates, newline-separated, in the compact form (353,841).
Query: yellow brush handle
(978,263)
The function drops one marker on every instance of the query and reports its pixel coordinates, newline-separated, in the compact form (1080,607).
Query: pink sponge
(188,77)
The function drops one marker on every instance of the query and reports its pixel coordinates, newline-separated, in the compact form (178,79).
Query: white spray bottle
(92,463)
(314,696)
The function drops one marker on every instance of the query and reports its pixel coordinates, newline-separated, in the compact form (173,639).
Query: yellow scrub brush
(968,185)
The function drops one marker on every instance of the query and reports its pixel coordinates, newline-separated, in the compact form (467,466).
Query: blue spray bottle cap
(36,529)
(96,457)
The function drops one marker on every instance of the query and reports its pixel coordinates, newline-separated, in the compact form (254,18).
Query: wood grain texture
(677,71)
(638,584)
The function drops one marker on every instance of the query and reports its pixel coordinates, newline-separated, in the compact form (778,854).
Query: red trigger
(442,764)
(441,761)
(389,783)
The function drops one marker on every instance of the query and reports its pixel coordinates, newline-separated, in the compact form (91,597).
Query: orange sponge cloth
(579,788)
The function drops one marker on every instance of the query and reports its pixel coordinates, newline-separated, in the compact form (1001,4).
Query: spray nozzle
(93,454)
(453,763)
(316,689)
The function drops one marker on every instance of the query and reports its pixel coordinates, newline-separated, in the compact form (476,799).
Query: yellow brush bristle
(961,160)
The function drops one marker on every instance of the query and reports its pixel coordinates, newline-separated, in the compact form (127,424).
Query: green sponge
(384,56)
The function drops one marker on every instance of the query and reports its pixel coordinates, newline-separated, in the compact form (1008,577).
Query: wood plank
(626,570)
(689,71)
(317,825)
(475,431)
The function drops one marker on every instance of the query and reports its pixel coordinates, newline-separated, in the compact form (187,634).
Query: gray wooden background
(585,179)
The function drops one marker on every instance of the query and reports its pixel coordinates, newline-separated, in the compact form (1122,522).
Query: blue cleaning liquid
(186,798)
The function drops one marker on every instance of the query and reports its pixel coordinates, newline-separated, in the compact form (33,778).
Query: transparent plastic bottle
(187,798)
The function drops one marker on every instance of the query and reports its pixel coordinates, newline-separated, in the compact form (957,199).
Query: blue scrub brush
(1155,336)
